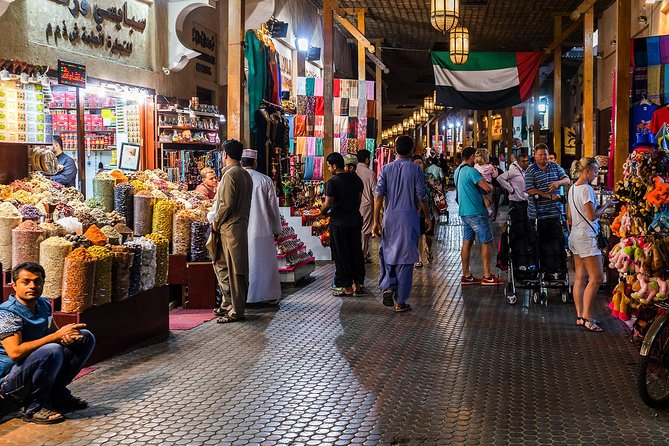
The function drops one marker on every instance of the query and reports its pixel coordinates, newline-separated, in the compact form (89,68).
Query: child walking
(488,171)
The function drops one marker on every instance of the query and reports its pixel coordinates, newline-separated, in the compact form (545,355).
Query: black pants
(346,247)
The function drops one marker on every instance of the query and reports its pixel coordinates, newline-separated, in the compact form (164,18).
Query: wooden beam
(557,91)
(378,61)
(509,132)
(582,9)
(328,80)
(354,32)
(475,133)
(563,36)
(588,83)
(235,118)
(621,118)
(536,126)
(361,47)
(378,85)
(489,132)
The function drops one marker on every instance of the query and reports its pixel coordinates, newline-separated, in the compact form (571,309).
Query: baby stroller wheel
(565,296)
(544,298)
(535,297)
(511,298)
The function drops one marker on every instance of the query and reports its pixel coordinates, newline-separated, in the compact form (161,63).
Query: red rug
(181,319)
(85,371)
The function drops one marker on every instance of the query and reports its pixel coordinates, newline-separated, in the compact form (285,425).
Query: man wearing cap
(228,243)
(368,178)
(342,199)
(264,228)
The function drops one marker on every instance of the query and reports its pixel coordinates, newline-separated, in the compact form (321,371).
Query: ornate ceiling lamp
(459,45)
(444,14)
(428,104)
(405,124)
(434,99)
(423,114)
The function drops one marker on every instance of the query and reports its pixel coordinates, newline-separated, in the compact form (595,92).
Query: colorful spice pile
(163,212)
(52,254)
(182,230)
(26,238)
(143,212)
(96,236)
(125,232)
(78,281)
(162,257)
(103,274)
(10,218)
(30,212)
(112,234)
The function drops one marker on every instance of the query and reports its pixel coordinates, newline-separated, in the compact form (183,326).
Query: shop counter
(195,281)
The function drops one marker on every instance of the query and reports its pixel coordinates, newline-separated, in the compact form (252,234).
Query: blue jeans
(476,226)
(43,376)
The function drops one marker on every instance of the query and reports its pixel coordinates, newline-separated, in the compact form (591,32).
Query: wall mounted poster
(569,140)
(129,159)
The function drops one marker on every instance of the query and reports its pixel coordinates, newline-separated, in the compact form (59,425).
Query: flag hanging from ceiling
(486,81)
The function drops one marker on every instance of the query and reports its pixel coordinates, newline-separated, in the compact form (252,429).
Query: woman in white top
(583,241)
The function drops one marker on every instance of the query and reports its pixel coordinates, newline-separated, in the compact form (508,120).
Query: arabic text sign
(71,74)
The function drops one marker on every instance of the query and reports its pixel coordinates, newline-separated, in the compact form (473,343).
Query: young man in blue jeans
(471,186)
(37,359)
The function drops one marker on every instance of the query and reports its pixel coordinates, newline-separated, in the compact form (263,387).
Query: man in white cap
(264,227)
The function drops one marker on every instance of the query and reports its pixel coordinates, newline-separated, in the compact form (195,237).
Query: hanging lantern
(434,99)
(412,123)
(423,114)
(416,116)
(459,45)
(428,104)
(444,14)
(405,124)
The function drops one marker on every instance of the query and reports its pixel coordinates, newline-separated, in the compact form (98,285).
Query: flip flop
(403,308)
(227,319)
(342,293)
(221,311)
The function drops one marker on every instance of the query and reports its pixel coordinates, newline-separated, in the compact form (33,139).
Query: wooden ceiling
(494,25)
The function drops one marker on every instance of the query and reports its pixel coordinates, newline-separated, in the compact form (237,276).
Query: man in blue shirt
(67,168)
(471,186)
(37,359)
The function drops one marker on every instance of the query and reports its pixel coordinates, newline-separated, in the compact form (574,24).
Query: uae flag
(486,81)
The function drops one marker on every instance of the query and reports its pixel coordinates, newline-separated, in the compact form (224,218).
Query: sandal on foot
(579,322)
(362,291)
(221,311)
(419,264)
(401,308)
(342,293)
(43,416)
(70,404)
(430,258)
(591,326)
(388,298)
(228,319)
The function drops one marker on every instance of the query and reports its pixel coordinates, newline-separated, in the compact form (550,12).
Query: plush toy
(662,292)
(617,222)
(641,294)
(660,222)
(660,193)
(619,303)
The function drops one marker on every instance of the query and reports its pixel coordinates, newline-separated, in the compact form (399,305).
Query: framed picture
(129,157)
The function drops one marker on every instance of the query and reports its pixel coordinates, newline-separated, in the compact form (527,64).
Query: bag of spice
(162,257)
(148,272)
(123,258)
(103,190)
(52,254)
(96,236)
(103,274)
(123,201)
(10,218)
(200,231)
(112,234)
(143,212)
(135,268)
(26,238)
(163,213)
(182,231)
(78,281)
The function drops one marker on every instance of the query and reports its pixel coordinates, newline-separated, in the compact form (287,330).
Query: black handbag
(602,240)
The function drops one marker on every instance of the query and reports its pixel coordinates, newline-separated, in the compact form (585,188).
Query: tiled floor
(463,367)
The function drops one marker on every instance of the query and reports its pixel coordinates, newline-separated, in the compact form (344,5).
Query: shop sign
(203,40)
(569,140)
(72,74)
(112,30)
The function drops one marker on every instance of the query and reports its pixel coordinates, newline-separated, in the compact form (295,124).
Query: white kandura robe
(264,222)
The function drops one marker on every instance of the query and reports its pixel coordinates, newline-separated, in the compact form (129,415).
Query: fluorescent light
(302,45)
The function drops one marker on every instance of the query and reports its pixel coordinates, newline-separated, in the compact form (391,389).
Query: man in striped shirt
(543,179)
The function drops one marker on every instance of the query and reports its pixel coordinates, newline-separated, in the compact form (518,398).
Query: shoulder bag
(602,240)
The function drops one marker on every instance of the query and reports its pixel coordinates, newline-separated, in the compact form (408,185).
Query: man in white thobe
(264,227)
(368,178)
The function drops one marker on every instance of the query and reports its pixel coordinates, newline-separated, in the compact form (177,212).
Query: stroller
(518,255)
(552,236)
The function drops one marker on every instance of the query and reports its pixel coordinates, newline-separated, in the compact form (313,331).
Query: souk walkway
(463,367)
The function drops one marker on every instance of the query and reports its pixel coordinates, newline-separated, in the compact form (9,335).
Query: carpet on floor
(85,371)
(184,319)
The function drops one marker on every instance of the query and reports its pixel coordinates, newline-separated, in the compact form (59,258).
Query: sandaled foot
(360,291)
(222,311)
(227,319)
(591,326)
(70,404)
(401,308)
(419,264)
(430,257)
(579,321)
(388,298)
(43,416)
(343,293)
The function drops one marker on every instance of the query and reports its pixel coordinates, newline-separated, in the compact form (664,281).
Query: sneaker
(389,298)
(492,280)
(469,280)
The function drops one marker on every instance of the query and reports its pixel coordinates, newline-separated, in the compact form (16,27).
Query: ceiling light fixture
(444,14)
(459,49)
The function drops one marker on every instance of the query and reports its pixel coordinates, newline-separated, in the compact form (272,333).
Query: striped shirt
(535,178)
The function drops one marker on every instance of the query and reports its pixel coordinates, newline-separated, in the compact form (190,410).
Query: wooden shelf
(191,143)
(188,112)
(193,129)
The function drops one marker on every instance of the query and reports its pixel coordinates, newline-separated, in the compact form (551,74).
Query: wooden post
(623,36)
(557,90)
(588,81)
(361,48)
(328,81)
(489,132)
(509,132)
(378,96)
(436,131)
(475,130)
(235,69)
(81,147)
(536,126)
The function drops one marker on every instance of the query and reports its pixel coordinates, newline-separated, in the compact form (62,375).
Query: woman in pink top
(488,171)
(209,183)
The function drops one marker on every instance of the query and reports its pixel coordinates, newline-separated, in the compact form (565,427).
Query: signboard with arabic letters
(110,29)
(71,74)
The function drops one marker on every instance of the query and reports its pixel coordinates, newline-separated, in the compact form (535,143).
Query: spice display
(123,201)
(64,210)
(143,212)
(71,224)
(96,236)
(78,281)
(200,231)
(115,218)
(52,254)
(112,234)
(103,274)
(163,213)
(23,197)
(78,240)
(30,212)
(182,231)
(5,192)
(124,231)
(118,176)
(101,217)
(135,268)
(85,217)
(26,238)
(162,257)
(148,272)
(53,230)
(10,218)
(94,203)
(103,189)
(122,262)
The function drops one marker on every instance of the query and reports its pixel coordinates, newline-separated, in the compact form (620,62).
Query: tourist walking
(401,185)
(585,214)
(470,185)
(426,236)
(488,172)
(228,243)
(342,200)
(368,178)
(513,181)
(264,227)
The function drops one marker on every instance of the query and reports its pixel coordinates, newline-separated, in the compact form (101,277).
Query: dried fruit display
(10,218)
(78,281)
(103,274)
(103,189)
(143,212)
(26,238)
(52,254)
(162,257)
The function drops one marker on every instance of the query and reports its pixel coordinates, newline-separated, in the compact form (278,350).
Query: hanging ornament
(459,40)
(444,14)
